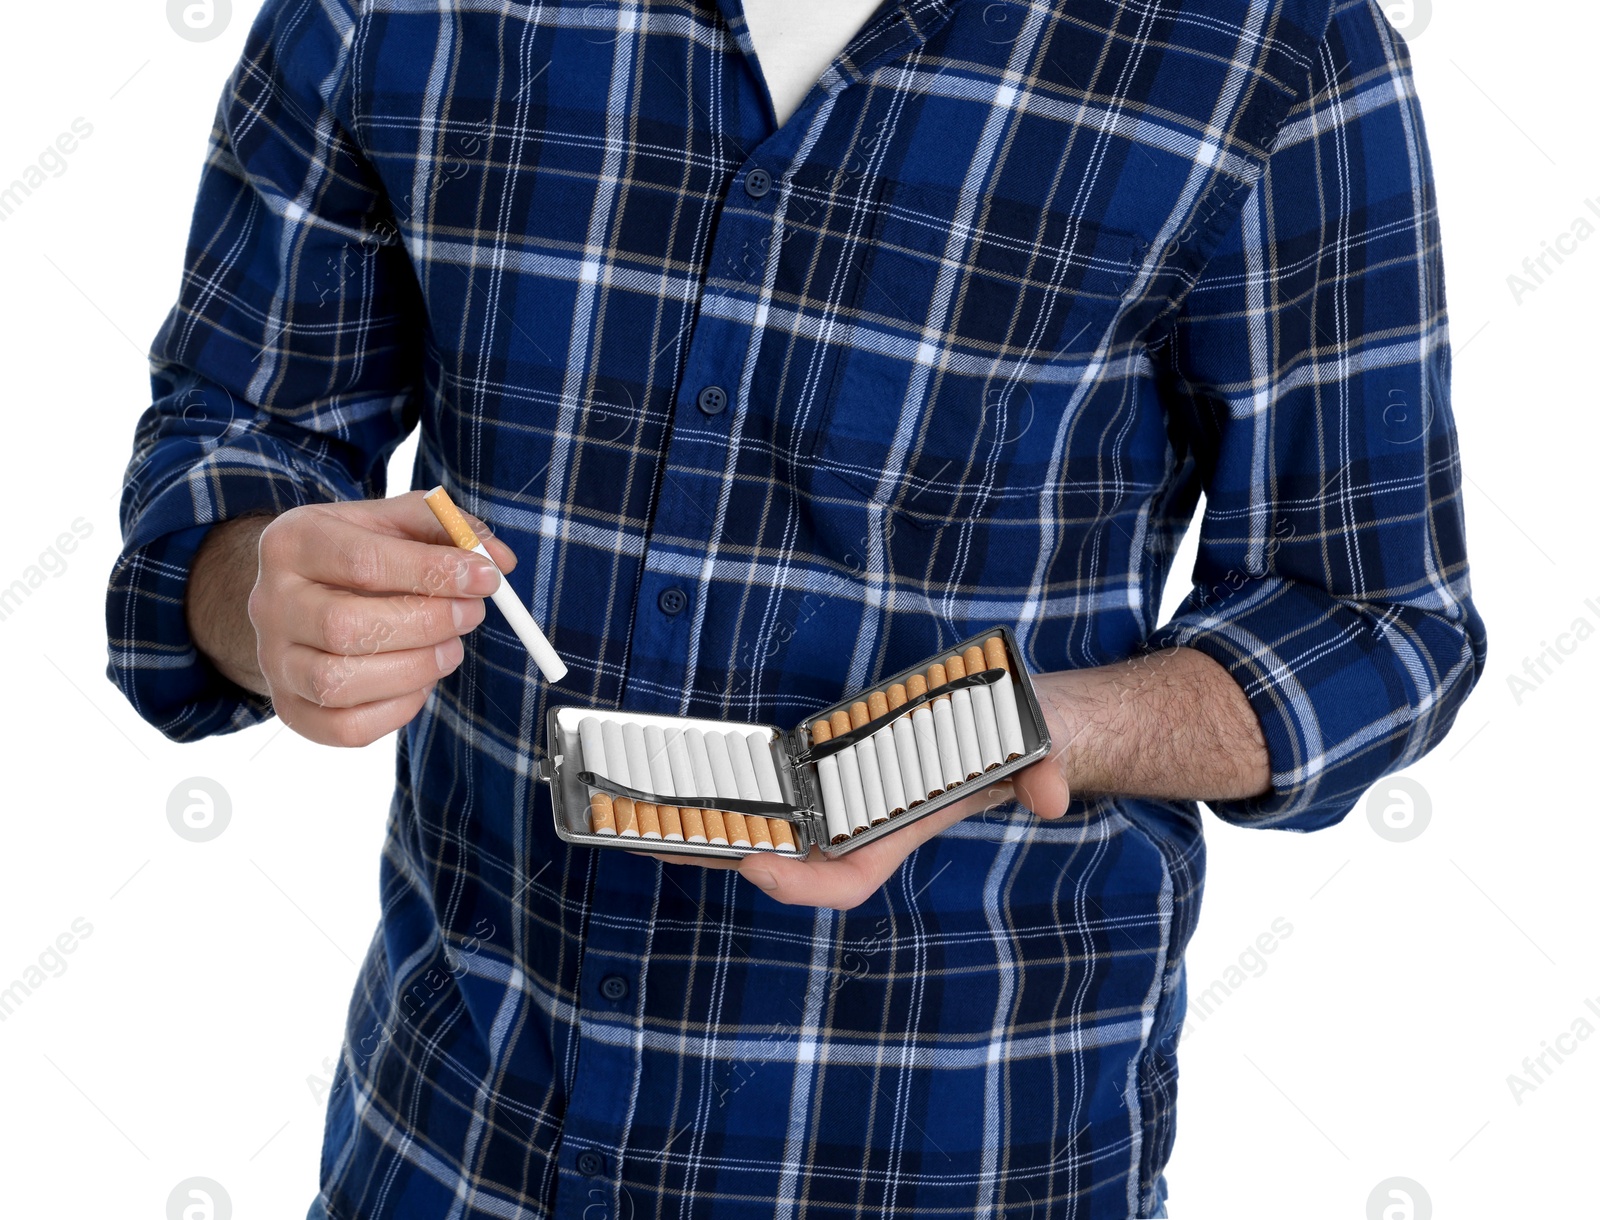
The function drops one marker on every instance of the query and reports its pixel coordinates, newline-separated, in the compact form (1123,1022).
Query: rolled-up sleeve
(286,372)
(1310,371)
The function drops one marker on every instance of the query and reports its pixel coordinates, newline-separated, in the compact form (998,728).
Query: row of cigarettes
(738,766)
(950,740)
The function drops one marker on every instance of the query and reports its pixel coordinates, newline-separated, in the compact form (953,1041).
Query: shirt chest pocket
(970,325)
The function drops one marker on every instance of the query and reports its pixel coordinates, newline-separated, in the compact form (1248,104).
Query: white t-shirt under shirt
(796,40)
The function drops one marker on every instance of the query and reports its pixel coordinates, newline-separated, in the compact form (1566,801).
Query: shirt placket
(613,1001)
(612,998)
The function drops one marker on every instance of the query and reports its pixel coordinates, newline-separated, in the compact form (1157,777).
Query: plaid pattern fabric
(1026,279)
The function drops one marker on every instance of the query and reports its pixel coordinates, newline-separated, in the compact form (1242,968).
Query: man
(768,387)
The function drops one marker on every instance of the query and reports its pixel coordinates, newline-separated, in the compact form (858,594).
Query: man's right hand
(346,615)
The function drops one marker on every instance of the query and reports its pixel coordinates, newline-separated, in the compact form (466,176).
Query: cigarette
(983,711)
(833,811)
(905,749)
(694,828)
(705,782)
(639,768)
(944,725)
(655,742)
(602,814)
(1005,700)
(855,803)
(771,789)
(727,786)
(927,737)
(744,776)
(966,722)
(516,614)
(866,753)
(894,792)
(616,752)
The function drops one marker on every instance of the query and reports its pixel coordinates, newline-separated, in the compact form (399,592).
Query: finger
(504,557)
(408,516)
(329,547)
(330,680)
(849,880)
(814,882)
(348,727)
(357,625)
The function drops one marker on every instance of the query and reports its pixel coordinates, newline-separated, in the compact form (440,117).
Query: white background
(191,1029)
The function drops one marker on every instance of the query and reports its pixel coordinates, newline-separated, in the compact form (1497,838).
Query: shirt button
(591,1163)
(672,601)
(713,400)
(757,183)
(614,987)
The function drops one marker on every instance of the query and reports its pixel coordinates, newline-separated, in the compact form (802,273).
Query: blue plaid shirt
(1009,290)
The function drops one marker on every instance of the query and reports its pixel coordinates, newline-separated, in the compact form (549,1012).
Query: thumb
(1043,787)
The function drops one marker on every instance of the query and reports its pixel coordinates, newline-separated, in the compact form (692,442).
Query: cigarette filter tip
(994,653)
(451,518)
(955,667)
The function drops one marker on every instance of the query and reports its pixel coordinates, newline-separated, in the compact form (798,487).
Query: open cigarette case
(875,761)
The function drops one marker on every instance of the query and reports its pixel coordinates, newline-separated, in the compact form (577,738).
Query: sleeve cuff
(153,659)
(1344,692)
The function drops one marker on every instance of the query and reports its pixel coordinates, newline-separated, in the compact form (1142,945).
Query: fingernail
(458,614)
(478,576)
(448,655)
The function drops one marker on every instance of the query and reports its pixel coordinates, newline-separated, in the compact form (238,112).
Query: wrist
(216,601)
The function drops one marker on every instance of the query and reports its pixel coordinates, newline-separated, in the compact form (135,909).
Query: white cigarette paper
(1005,711)
(766,769)
(894,791)
(591,745)
(682,771)
(905,749)
(705,779)
(744,769)
(616,753)
(988,729)
(966,733)
(927,750)
(944,727)
(866,753)
(655,743)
